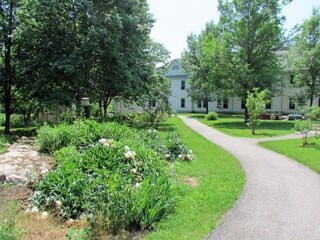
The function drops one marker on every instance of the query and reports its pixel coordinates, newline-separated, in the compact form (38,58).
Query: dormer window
(175,67)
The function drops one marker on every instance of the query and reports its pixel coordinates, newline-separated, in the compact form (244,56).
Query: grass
(308,155)
(233,125)
(217,180)
(207,188)
(2,142)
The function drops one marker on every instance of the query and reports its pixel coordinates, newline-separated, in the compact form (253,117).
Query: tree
(305,55)
(99,48)
(204,60)
(252,32)
(256,102)
(8,48)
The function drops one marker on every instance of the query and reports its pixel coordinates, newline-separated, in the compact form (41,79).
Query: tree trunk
(9,73)
(207,106)
(7,121)
(246,115)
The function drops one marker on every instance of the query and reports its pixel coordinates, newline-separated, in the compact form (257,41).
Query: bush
(211,116)
(116,186)
(113,174)
(81,134)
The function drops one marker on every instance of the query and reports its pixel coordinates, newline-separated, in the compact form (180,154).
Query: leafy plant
(211,116)
(256,102)
(8,227)
(304,127)
(116,186)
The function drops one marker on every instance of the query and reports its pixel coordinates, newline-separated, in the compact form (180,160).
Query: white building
(180,101)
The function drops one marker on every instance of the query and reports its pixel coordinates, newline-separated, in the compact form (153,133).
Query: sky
(176,19)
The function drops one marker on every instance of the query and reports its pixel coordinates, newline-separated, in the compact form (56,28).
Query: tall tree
(204,59)
(97,47)
(305,55)
(8,75)
(252,30)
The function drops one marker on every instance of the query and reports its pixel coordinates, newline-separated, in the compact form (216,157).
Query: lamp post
(85,103)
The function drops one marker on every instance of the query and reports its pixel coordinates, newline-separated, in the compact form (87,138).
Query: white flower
(167,155)
(44,215)
(126,148)
(134,170)
(180,156)
(154,130)
(58,204)
(149,130)
(130,154)
(102,140)
(138,185)
(34,209)
(190,151)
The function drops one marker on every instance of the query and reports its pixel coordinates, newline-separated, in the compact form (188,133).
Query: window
(199,104)
(225,103)
(292,104)
(243,104)
(205,104)
(291,79)
(268,105)
(222,103)
(183,84)
(175,67)
(183,103)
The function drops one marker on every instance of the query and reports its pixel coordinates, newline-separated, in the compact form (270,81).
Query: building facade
(285,102)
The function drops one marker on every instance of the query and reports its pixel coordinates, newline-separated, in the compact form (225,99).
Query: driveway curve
(280,200)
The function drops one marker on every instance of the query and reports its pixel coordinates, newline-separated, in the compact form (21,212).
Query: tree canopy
(305,55)
(65,50)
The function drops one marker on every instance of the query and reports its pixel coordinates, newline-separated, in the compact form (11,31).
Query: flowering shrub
(111,174)
(82,134)
(127,187)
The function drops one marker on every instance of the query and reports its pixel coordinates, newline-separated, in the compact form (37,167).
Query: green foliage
(82,133)
(256,102)
(305,54)
(211,116)
(110,172)
(304,127)
(8,221)
(200,207)
(309,125)
(117,187)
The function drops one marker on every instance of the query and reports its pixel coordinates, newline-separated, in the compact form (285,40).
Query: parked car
(295,116)
(270,115)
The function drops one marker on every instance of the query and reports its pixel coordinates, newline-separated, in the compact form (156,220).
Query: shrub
(81,134)
(305,128)
(211,116)
(117,186)
(113,174)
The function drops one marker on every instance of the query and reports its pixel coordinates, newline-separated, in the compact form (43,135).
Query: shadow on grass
(264,126)
(167,127)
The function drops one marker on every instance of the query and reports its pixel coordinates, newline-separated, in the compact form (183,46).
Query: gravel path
(281,198)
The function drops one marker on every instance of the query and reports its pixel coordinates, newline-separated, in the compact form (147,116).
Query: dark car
(295,116)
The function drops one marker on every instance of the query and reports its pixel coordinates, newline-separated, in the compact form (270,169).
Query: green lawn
(199,209)
(234,125)
(308,155)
